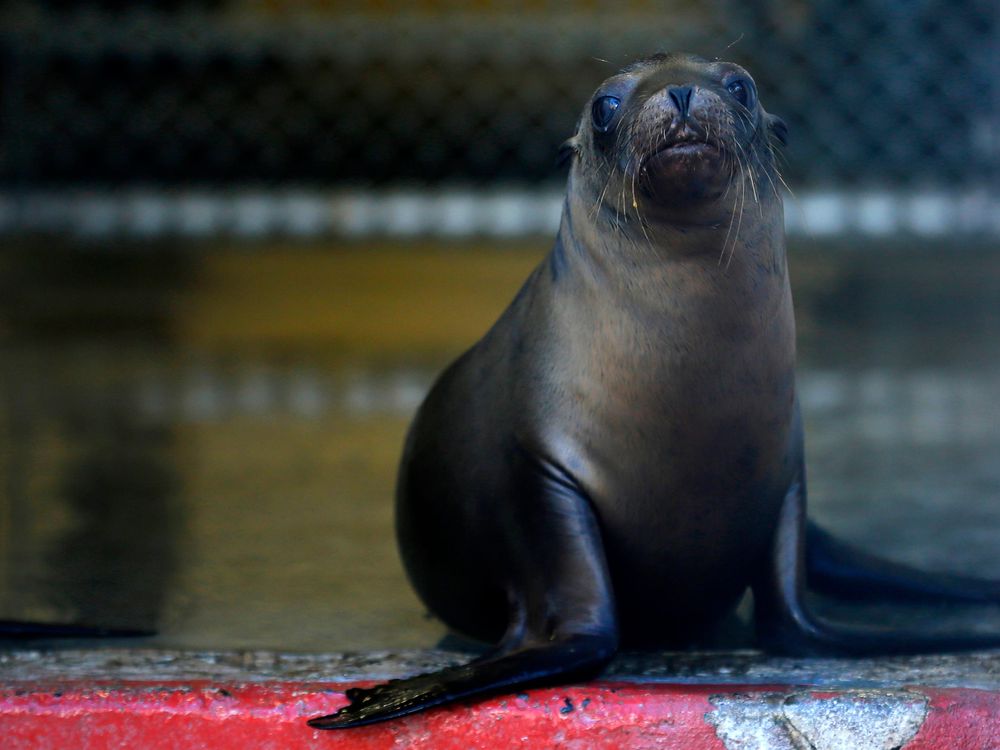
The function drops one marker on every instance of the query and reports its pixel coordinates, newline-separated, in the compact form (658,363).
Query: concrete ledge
(165,699)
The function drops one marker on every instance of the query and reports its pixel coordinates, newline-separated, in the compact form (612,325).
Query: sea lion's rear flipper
(836,568)
(562,625)
(786,625)
(21,630)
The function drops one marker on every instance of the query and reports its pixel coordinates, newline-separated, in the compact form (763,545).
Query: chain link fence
(883,97)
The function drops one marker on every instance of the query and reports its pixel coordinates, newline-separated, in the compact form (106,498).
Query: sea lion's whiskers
(732,216)
(725,242)
(750,176)
(730,163)
(739,225)
(626,208)
(620,208)
(642,221)
(768,169)
(600,200)
(774,186)
(781,178)
(776,158)
(739,222)
(731,156)
(736,40)
(631,161)
(755,141)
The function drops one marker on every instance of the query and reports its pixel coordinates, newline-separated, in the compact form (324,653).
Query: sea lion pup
(620,457)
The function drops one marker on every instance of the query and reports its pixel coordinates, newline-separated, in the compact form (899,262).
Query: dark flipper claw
(386,701)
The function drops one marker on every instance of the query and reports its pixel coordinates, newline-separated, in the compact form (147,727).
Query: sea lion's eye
(743,91)
(603,112)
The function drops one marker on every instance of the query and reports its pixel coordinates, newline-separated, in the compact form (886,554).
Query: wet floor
(203,440)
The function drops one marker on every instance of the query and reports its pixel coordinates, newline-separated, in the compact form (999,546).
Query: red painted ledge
(598,715)
(46,711)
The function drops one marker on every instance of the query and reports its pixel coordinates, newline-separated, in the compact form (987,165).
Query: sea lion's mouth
(685,147)
(688,166)
(681,155)
(688,147)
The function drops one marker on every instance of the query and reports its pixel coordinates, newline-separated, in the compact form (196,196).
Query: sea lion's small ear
(778,129)
(568,150)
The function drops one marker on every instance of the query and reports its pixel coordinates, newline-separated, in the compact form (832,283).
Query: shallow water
(204,440)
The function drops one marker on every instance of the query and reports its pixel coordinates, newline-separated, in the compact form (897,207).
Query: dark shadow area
(116,562)
(92,493)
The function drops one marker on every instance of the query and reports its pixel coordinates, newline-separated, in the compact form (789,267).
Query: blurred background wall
(239,239)
(316,117)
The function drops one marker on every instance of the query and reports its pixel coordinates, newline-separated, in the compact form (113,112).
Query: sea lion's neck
(736,254)
(687,309)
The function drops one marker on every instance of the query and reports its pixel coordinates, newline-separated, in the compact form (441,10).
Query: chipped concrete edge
(808,720)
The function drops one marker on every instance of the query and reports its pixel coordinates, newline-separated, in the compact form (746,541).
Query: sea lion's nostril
(681,97)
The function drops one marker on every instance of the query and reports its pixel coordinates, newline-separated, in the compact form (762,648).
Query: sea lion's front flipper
(785,624)
(836,568)
(21,630)
(562,624)
(568,658)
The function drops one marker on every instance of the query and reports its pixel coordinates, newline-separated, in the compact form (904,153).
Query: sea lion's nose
(681,97)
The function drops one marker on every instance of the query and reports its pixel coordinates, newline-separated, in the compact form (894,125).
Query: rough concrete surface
(978,670)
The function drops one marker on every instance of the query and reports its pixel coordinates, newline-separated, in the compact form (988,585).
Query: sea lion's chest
(676,424)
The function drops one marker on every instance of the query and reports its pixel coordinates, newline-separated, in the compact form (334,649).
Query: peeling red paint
(154,715)
(960,718)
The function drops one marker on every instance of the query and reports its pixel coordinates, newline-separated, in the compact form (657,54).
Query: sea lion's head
(678,139)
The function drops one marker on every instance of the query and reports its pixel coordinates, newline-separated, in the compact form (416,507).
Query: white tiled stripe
(450,212)
(926,406)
